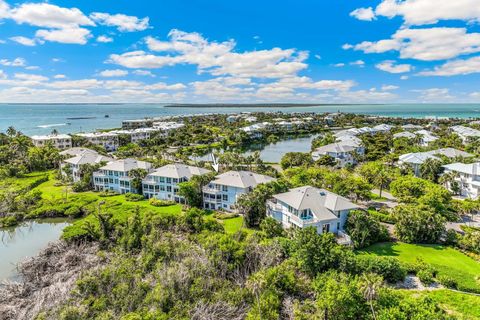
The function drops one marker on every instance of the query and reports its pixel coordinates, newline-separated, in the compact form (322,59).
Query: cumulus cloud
(144,73)
(386,87)
(104,39)
(455,67)
(391,67)
(420,12)
(30,77)
(68,35)
(113,73)
(123,22)
(365,14)
(59,76)
(426,44)
(17,62)
(213,57)
(434,94)
(24,41)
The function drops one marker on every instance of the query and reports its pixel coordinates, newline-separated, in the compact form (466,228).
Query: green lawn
(232,225)
(446,260)
(461,305)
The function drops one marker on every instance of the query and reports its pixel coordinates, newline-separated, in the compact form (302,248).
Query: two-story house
(416,159)
(344,152)
(163,182)
(223,192)
(86,157)
(115,175)
(309,206)
(467,176)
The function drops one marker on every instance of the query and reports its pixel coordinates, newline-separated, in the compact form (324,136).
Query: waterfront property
(108,140)
(60,141)
(223,192)
(86,157)
(163,182)
(466,133)
(256,131)
(467,178)
(344,152)
(115,175)
(139,134)
(167,126)
(416,159)
(309,206)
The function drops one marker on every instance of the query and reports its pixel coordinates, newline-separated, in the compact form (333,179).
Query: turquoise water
(18,243)
(43,118)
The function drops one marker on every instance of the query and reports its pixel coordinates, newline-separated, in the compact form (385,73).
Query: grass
(461,305)
(18,184)
(446,260)
(233,225)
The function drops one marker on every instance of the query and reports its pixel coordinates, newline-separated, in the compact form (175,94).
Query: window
(169,189)
(225,188)
(175,180)
(326,228)
(169,180)
(162,188)
(162,179)
(225,197)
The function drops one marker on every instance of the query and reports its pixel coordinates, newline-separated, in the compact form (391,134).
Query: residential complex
(344,152)
(467,176)
(163,182)
(87,156)
(416,159)
(467,134)
(115,175)
(60,141)
(108,140)
(223,192)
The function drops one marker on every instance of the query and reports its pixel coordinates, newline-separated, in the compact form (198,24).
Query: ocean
(34,119)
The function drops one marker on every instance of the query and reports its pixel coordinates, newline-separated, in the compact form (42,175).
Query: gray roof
(88,157)
(178,170)
(321,202)
(342,146)
(404,134)
(469,168)
(76,151)
(420,157)
(451,153)
(125,165)
(241,179)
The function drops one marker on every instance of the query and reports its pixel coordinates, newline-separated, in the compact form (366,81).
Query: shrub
(389,268)
(133,197)
(272,227)
(225,215)
(382,216)
(425,276)
(161,203)
(364,229)
(74,212)
(447,281)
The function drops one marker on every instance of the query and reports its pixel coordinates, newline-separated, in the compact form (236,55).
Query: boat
(107,116)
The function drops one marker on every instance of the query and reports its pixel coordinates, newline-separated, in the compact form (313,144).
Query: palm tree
(448,178)
(54,132)
(11,132)
(370,286)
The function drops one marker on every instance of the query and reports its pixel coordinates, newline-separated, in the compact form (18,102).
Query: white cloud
(339,65)
(30,77)
(50,16)
(123,22)
(164,86)
(59,76)
(317,56)
(32,68)
(434,94)
(386,87)
(427,44)
(455,67)
(391,67)
(143,73)
(420,12)
(213,57)
(359,63)
(3,75)
(104,39)
(76,84)
(113,73)
(17,62)
(365,14)
(24,41)
(68,35)
(4,9)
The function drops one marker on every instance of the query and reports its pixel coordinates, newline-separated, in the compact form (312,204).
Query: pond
(26,240)
(273,152)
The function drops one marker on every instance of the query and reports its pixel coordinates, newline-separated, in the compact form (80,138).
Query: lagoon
(26,240)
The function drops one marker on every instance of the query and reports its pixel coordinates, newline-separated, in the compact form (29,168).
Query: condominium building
(60,141)
(115,175)
(163,182)
(467,177)
(344,152)
(223,192)
(86,157)
(108,140)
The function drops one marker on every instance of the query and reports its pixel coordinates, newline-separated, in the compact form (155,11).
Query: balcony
(343,238)
(211,190)
(303,222)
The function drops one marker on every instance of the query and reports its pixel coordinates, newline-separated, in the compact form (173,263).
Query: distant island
(250,105)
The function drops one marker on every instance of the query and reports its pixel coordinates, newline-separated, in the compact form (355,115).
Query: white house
(467,176)
(139,134)
(167,126)
(426,137)
(86,157)
(115,175)
(60,141)
(416,159)
(343,152)
(108,140)
(309,206)
(256,130)
(223,192)
(404,134)
(466,133)
(410,126)
(163,182)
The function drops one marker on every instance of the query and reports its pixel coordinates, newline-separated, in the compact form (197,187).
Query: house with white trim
(466,133)
(467,175)
(416,159)
(115,175)
(60,141)
(163,182)
(311,207)
(343,152)
(107,140)
(426,137)
(86,157)
(404,134)
(223,192)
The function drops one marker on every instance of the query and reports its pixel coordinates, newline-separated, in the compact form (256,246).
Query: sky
(322,51)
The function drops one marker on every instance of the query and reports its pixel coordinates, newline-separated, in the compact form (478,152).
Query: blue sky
(329,51)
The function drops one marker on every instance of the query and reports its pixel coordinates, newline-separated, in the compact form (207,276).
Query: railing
(343,238)
(303,222)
